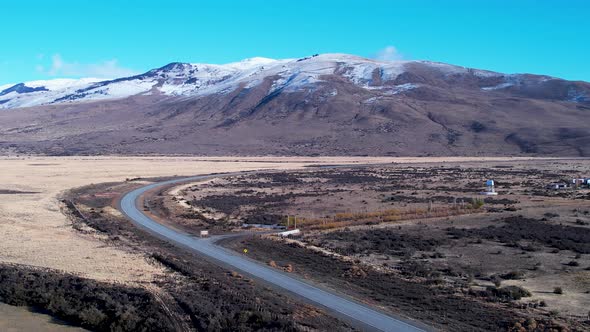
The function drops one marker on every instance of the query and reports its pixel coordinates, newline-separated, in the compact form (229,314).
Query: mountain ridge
(330,104)
(194,79)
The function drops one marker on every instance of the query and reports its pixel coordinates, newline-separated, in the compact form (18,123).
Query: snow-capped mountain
(330,104)
(290,75)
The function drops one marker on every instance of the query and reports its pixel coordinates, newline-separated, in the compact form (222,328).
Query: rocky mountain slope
(330,104)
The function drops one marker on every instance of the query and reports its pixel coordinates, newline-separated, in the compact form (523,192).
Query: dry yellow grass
(33,231)
(365,218)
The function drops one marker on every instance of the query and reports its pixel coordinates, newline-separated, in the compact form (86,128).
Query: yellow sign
(245,251)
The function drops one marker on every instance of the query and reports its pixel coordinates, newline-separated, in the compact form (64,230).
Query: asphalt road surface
(360,314)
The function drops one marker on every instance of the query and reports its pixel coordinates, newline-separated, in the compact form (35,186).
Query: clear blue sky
(48,39)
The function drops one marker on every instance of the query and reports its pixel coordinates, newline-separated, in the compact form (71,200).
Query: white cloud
(389,53)
(104,69)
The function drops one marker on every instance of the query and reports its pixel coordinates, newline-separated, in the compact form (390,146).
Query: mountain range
(328,104)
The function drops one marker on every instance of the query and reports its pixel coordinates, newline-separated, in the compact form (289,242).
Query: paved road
(345,308)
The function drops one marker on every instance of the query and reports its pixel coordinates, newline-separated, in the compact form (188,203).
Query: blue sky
(50,39)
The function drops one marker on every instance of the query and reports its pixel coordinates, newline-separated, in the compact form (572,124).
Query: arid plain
(34,231)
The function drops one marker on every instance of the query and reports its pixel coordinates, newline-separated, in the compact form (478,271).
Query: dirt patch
(14,318)
(16,192)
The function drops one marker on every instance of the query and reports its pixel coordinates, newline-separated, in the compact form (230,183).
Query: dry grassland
(34,231)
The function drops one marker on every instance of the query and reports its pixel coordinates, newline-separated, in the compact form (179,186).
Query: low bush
(512,275)
(518,228)
(382,241)
(573,263)
(84,302)
(505,294)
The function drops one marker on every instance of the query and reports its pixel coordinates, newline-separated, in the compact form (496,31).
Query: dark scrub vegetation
(84,302)
(514,229)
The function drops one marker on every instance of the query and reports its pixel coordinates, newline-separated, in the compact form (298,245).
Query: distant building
(490,191)
(557,185)
(581,182)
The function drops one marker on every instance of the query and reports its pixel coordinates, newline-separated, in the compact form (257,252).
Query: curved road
(353,311)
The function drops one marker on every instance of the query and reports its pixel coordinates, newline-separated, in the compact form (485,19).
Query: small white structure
(580,182)
(490,191)
(557,185)
(291,232)
(204,233)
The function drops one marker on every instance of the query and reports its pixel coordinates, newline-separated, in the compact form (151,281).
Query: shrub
(497,281)
(517,228)
(512,275)
(558,290)
(477,203)
(509,293)
(530,248)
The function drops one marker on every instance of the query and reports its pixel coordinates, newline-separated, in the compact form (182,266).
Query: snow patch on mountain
(287,75)
(196,79)
(404,87)
(498,87)
(575,95)
(6,86)
(62,83)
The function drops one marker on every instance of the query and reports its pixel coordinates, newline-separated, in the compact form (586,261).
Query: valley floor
(417,239)
(35,233)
